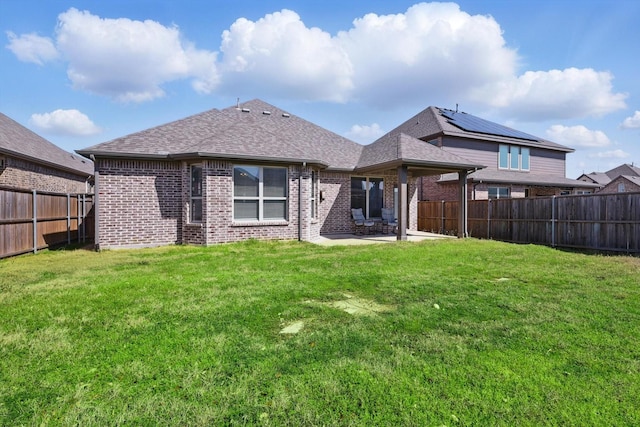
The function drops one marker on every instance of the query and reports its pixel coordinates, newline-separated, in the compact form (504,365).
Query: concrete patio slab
(368,239)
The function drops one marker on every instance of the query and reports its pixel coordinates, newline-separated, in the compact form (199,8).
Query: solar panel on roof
(471,123)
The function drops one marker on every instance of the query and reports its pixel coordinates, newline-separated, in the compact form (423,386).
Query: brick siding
(139,203)
(25,175)
(146,203)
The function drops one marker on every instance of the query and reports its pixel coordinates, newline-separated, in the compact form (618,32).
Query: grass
(475,333)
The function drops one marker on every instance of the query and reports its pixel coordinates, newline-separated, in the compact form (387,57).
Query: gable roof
(255,131)
(624,169)
(393,150)
(596,177)
(433,122)
(259,131)
(16,140)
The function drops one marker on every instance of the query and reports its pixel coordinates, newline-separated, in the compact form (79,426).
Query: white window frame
(511,150)
(261,198)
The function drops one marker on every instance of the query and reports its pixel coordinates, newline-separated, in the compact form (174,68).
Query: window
(498,192)
(196,194)
(259,193)
(314,194)
(368,194)
(513,157)
(621,187)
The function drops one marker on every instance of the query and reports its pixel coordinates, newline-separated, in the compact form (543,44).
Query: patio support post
(462,214)
(402,202)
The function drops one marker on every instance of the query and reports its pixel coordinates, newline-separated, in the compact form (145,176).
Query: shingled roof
(259,131)
(16,140)
(393,150)
(433,122)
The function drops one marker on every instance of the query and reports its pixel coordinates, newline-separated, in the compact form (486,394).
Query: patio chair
(361,222)
(389,220)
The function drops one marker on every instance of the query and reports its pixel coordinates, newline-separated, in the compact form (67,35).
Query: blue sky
(83,72)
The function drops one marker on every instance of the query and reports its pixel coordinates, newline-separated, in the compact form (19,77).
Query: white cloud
(431,50)
(129,60)
(32,48)
(578,136)
(429,53)
(65,122)
(632,122)
(282,57)
(613,154)
(555,94)
(365,133)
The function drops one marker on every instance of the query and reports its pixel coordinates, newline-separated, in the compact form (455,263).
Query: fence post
(553,221)
(35,221)
(488,218)
(443,230)
(68,219)
(82,215)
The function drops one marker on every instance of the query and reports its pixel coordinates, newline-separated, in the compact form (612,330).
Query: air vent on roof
(266,113)
(286,115)
(246,110)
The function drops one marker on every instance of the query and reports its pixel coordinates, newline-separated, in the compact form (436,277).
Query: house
(28,161)
(517,164)
(254,171)
(622,179)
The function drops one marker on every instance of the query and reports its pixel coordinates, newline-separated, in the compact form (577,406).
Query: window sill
(195,224)
(259,223)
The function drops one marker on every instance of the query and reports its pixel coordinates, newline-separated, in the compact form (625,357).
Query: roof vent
(286,115)
(266,113)
(246,110)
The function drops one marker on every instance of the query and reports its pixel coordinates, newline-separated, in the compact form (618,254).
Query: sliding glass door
(368,194)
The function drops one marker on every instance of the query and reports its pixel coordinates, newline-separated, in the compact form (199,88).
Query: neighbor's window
(259,193)
(196,194)
(498,192)
(513,157)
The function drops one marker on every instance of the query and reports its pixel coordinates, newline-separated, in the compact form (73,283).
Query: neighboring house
(622,179)
(517,164)
(28,161)
(254,171)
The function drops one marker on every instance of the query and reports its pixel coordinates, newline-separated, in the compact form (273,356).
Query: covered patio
(410,157)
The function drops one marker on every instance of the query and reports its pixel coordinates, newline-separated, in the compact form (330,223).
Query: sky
(83,72)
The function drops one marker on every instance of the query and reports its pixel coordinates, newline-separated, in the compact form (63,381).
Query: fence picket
(607,222)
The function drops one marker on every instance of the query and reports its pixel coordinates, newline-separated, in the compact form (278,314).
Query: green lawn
(468,332)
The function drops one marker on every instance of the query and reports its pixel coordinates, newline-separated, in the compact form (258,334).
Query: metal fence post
(442,219)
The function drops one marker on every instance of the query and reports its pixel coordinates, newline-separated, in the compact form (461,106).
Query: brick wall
(22,174)
(139,203)
(335,206)
(146,203)
(612,187)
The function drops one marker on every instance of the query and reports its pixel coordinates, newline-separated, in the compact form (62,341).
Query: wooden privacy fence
(604,222)
(31,220)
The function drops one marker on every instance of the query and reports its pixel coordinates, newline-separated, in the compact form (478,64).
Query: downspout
(96,210)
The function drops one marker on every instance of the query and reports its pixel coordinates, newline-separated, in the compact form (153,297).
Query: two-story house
(517,164)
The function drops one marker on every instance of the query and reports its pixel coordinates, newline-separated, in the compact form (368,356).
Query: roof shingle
(19,141)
